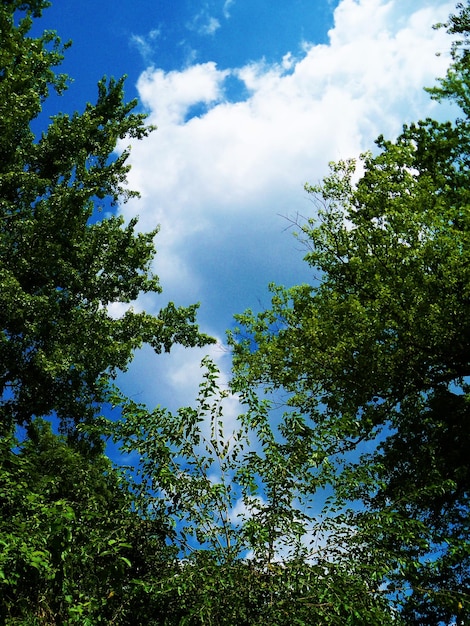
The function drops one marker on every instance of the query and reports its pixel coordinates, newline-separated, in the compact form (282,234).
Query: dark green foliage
(73,550)
(60,267)
(71,546)
(286,594)
(221,526)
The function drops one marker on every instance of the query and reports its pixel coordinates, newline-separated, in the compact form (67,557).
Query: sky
(252,99)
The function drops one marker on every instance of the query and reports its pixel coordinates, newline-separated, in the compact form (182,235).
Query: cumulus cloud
(238,157)
(169,95)
(220,170)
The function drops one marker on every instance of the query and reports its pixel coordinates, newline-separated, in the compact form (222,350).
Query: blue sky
(252,99)
(125,37)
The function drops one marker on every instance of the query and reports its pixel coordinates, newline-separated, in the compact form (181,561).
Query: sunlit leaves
(63,264)
(375,350)
(241,496)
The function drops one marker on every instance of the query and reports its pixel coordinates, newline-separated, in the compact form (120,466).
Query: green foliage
(250,550)
(191,470)
(224,520)
(72,549)
(284,594)
(375,351)
(61,268)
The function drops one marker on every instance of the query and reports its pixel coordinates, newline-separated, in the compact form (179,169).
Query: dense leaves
(342,497)
(377,350)
(61,266)
(71,545)
(73,550)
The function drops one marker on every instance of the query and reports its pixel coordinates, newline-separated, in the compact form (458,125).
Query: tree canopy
(68,531)
(72,550)
(377,348)
(348,505)
(62,264)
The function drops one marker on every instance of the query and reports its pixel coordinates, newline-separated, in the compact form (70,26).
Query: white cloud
(226,8)
(210,27)
(146,44)
(170,95)
(173,380)
(216,183)
(335,101)
(244,511)
(204,24)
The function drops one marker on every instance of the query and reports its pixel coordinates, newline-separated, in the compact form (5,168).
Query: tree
(240,504)
(61,266)
(72,549)
(376,351)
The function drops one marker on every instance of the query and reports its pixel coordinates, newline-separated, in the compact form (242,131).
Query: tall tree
(240,502)
(377,351)
(71,549)
(60,266)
